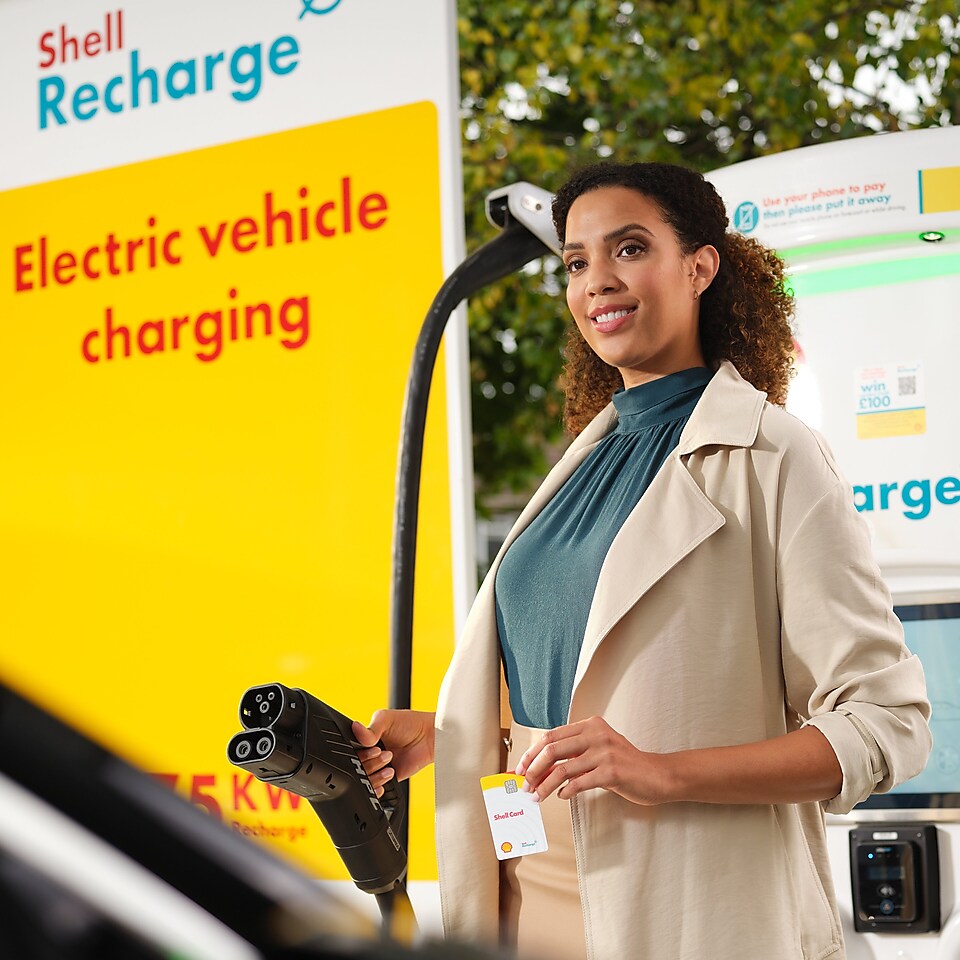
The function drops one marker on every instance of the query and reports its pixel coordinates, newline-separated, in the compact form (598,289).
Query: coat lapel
(674,516)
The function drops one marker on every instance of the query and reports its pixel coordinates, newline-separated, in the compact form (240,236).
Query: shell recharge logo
(141,81)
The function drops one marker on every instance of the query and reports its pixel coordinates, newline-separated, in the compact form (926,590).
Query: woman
(685,633)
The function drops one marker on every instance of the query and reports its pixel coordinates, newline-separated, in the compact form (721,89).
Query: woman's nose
(601,278)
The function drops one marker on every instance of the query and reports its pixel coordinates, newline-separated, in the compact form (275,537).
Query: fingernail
(535,796)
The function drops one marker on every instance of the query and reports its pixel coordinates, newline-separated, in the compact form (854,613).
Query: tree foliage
(549,86)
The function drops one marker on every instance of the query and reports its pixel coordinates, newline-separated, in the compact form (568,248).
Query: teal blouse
(547,578)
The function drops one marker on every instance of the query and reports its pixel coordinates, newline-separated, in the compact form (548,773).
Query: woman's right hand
(407,737)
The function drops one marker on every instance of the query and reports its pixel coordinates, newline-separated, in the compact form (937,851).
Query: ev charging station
(870,232)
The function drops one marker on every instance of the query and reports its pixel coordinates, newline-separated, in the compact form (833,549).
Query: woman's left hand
(590,754)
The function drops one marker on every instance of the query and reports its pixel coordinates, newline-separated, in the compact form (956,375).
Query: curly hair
(745,314)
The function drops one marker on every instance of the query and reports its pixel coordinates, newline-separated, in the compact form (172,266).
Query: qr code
(510,786)
(907,386)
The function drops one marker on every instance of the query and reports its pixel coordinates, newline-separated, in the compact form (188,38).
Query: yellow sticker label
(940,190)
(897,423)
(890,401)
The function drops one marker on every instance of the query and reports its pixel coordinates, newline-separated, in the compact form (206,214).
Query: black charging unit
(895,872)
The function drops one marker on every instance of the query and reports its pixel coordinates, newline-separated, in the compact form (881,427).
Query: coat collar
(728,414)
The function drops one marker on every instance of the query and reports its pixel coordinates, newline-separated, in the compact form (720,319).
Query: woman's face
(631,288)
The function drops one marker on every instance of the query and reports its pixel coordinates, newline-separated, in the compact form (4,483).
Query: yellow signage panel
(940,190)
(205,358)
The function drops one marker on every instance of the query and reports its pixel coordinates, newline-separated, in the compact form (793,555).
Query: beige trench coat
(739,600)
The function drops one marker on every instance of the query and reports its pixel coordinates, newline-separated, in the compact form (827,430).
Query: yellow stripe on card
(498,780)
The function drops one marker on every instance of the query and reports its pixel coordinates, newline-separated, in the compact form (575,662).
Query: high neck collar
(660,401)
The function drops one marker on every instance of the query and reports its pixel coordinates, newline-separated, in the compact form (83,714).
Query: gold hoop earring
(696,295)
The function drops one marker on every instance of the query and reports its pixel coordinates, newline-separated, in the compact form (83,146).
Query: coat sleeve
(846,668)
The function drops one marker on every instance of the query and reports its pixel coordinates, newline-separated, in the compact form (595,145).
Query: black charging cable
(505,253)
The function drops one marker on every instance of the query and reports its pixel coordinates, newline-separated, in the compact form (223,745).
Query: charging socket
(895,872)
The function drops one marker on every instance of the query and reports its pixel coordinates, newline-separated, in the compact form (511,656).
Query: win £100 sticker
(890,401)
(515,819)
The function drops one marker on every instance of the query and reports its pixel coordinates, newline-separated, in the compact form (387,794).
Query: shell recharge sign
(217,247)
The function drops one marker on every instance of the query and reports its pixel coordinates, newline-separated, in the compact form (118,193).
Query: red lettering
(346,205)
(167,243)
(271,216)
(152,245)
(213,243)
(244,227)
(131,247)
(95,42)
(156,327)
(276,794)
(240,792)
(41,265)
(112,248)
(322,211)
(114,340)
(87,269)
(63,262)
(372,203)
(201,799)
(47,48)
(304,216)
(65,39)
(177,323)
(22,267)
(91,357)
(112,332)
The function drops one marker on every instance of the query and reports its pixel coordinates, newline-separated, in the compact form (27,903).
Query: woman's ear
(704,266)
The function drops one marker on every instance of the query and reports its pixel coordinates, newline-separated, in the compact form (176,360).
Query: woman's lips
(609,320)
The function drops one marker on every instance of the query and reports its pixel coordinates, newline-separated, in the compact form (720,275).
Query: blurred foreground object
(99,860)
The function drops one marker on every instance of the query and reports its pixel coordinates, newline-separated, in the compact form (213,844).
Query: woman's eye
(631,248)
(573,266)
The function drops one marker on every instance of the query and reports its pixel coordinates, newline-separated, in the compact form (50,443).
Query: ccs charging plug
(295,741)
